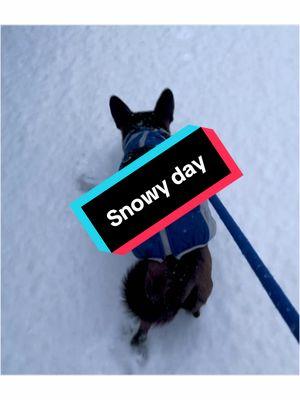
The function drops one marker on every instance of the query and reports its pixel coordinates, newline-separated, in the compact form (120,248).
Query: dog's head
(127,120)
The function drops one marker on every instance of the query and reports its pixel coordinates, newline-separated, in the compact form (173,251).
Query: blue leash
(274,291)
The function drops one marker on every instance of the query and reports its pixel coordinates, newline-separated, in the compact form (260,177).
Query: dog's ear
(164,108)
(119,111)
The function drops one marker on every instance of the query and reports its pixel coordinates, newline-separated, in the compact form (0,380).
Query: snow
(61,306)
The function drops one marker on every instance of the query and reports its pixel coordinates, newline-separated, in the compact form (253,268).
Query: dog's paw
(138,339)
(140,348)
(85,182)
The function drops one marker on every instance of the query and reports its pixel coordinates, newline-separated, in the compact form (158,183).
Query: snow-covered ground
(61,307)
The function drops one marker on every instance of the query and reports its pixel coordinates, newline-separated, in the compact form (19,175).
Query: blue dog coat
(141,138)
(195,229)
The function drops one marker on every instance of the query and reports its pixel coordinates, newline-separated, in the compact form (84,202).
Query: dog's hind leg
(193,302)
(203,284)
(141,335)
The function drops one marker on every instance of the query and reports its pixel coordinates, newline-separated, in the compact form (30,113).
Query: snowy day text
(153,194)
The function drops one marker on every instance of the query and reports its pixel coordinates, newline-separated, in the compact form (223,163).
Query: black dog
(153,290)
